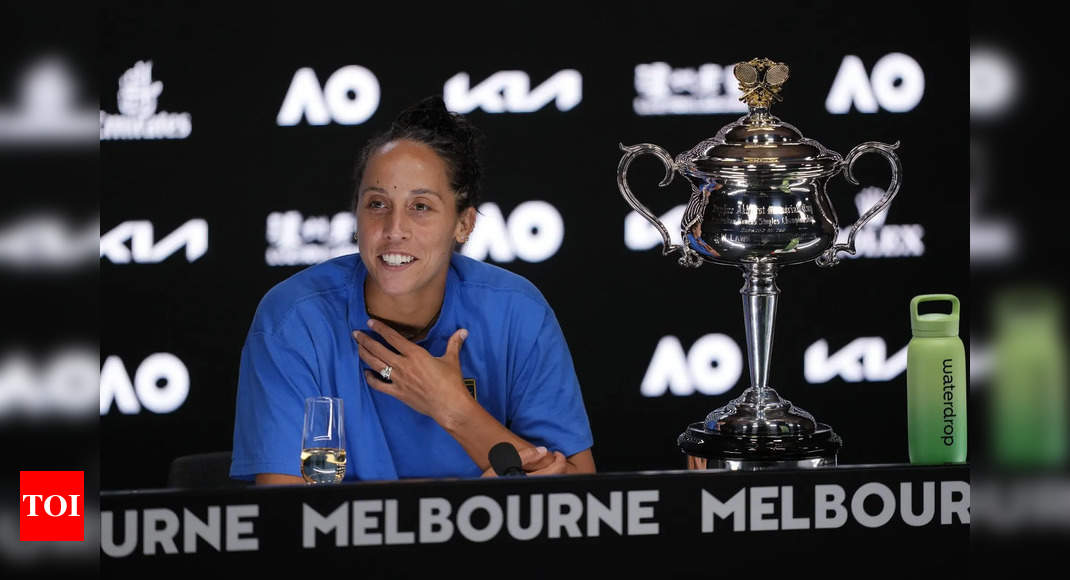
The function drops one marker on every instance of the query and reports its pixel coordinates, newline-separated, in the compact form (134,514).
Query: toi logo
(51,506)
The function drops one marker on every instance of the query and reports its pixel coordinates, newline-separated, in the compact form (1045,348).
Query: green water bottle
(1029,424)
(936,385)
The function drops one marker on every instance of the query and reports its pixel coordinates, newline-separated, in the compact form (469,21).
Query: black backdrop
(230,71)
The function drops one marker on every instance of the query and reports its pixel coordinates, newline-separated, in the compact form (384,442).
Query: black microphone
(505,461)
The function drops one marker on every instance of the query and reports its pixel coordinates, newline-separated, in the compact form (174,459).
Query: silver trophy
(759,202)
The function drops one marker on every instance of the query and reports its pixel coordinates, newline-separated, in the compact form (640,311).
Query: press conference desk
(666,523)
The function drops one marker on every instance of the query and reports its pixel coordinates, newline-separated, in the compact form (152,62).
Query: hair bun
(452,137)
(430,113)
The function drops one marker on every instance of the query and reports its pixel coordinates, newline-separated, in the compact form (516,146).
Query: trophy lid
(759,144)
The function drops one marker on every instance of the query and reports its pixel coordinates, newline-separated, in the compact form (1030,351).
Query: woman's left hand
(429,385)
(537,461)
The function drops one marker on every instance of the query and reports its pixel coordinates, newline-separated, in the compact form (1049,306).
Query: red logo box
(51,506)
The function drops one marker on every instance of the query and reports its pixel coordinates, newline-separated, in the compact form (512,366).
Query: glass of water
(323,441)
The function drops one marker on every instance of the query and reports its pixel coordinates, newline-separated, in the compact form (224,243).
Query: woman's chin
(392,285)
(395,283)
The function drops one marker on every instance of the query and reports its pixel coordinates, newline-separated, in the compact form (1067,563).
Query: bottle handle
(828,258)
(914,302)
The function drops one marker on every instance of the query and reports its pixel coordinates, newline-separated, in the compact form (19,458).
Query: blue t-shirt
(300,345)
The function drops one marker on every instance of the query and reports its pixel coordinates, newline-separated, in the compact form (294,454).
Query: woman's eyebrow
(417,191)
(425,191)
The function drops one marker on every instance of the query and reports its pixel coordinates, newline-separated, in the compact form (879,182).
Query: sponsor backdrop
(228,143)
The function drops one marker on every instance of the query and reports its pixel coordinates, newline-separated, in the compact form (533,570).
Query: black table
(803,523)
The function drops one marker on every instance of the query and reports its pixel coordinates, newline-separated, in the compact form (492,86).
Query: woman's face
(407,220)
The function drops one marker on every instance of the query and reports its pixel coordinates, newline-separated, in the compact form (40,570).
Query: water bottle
(1028,414)
(936,385)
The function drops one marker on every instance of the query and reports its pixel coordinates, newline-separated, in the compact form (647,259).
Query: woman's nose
(397,226)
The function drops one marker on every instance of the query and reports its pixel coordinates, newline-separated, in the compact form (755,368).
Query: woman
(437,357)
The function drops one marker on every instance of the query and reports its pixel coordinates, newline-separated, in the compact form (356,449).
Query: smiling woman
(406,230)
(436,356)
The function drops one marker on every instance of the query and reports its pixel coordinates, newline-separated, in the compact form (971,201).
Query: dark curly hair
(456,140)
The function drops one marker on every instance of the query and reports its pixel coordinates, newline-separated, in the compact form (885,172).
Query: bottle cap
(1027,308)
(934,324)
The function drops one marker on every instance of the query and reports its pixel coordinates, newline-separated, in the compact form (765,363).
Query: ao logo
(192,234)
(863,359)
(534,232)
(994,82)
(640,235)
(897,84)
(350,97)
(712,366)
(161,384)
(510,92)
(65,385)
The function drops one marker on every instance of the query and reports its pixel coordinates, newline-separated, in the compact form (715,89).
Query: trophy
(759,202)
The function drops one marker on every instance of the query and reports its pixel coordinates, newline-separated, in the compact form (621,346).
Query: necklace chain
(408,331)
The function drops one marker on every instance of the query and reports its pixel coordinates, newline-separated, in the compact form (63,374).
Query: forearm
(477,431)
(278,479)
(582,462)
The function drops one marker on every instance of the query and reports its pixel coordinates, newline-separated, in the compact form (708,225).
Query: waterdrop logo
(533,232)
(712,366)
(350,97)
(897,85)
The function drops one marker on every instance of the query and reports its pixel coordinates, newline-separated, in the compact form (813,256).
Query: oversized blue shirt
(300,345)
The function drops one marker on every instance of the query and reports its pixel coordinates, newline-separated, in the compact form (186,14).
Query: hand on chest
(431,375)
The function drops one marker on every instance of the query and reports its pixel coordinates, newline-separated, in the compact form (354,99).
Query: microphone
(505,460)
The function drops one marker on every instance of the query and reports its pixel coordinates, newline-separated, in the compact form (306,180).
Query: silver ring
(385,373)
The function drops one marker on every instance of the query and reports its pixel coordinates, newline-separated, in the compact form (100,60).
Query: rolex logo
(878,239)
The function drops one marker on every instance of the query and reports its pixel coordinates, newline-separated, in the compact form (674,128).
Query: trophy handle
(631,152)
(829,257)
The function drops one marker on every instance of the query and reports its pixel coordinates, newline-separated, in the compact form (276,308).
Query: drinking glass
(323,441)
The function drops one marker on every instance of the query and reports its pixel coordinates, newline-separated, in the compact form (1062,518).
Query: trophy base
(699,463)
(706,449)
